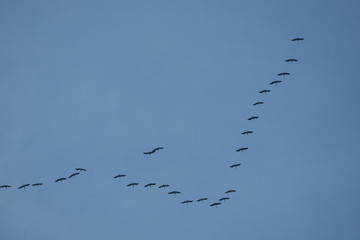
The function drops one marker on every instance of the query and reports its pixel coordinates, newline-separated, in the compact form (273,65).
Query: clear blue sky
(94,84)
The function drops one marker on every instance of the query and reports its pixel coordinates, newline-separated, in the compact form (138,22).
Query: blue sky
(94,84)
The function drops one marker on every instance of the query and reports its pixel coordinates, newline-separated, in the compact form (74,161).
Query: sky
(94,84)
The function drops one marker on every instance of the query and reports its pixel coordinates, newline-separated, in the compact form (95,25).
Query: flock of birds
(163,186)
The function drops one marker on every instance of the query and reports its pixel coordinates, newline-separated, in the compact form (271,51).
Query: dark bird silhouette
(224,198)
(23,186)
(74,174)
(215,204)
(242,149)
(291,60)
(247,132)
(174,192)
(202,199)
(120,176)
(253,118)
(275,82)
(258,103)
(297,39)
(150,184)
(283,74)
(265,91)
(37,184)
(132,184)
(153,151)
(60,179)
(164,186)
(80,169)
(187,201)
(230,191)
(5,186)
(235,165)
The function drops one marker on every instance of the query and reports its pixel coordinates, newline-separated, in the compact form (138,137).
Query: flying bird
(23,186)
(153,151)
(80,169)
(253,118)
(215,204)
(60,179)
(275,82)
(5,186)
(224,198)
(258,103)
(74,174)
(291,60)
(247,132)
(230,191)
(164,186)
(202,199)
(265,91)
(174,192)
(235,165)
(187,201)
(150,184)
(120,176)
(132,184)
(242,149)
(37,184)
(283,74)
(297,39)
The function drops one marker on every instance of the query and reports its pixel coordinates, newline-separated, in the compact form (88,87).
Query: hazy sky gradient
(94,84)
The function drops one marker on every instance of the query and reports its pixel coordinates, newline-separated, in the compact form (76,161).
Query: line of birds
(163,186)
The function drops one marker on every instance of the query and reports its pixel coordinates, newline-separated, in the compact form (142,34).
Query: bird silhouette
(132,184)
(224,198)
(275,82)
(80,169)
(253,118)
(235,165)
(23,186)
(258,103)
(187,201)
(230,191)
(174,192)
(153,151)
(60,179)
(164,186)
(37,184)
(283,74)
(247,132)
(242,149)
(291,60)
(150,184)
(265,91)
(120,176)
(297,39)
(74,174)
(5,186)
(202,199)
(215,204)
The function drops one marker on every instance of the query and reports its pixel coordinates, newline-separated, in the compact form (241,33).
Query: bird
(215,204)
(80,169)
(132,184)
(37,184)
(187,201)
(258,103)
(242,149)
(74,174)
(235,165)
(275,82)
(297,39)
(164,186)
(153,151)
(60,179)
(230,191)
(283,74)
(174,192)
(150,184)
(224,198)
(24,186)
(120,176)
(5,186)
(253,118)
(291,60)
(247,132)
(202,199)
(264,91)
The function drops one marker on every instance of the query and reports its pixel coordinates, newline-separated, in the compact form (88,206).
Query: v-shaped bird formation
(217,202)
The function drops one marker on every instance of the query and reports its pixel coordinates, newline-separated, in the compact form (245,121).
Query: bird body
(230,191)
(291,60)
(235,165)
(120,176)
(174,192)
(5,186)
(187,201)
(74,174)
(150,184)
(253,118)
(275,82)
(247,132)
(153,151)
(265,91)
(242,149)
(132,184)
(258,103)
(80,169)
(202,199)
(297,39)
(37,184)
(283,74)
(60,179)
(215,204)
(224,198)
(23,186)
(164,186)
